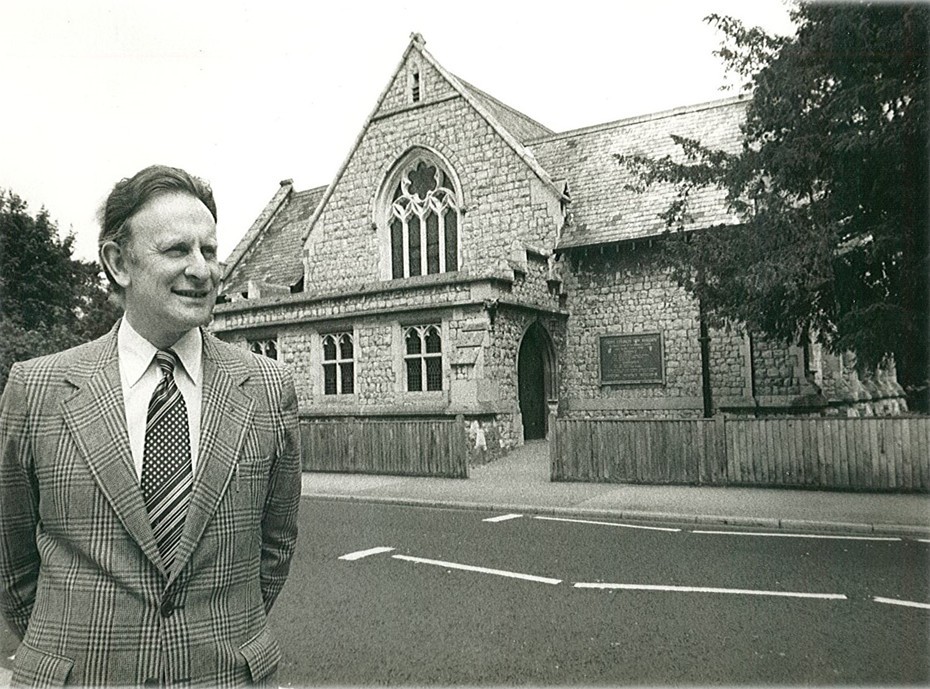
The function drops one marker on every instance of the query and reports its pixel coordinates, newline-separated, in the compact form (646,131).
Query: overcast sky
(246,94)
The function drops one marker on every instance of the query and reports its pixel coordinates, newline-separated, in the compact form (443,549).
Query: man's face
(171,266)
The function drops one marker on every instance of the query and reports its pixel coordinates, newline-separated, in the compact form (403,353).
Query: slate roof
(602,209)
(275,255)
(521,126)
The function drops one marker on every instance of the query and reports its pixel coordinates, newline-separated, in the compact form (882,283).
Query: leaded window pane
(434,373)
(397,248)
(329,379)
(433,341)
(413,238)
(345,347)
(415,375)
(414,346)
(347,371)
(450,226)
(329,348)
(432,243)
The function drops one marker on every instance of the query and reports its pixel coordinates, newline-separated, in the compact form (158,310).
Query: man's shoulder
(245,360)
(74,361)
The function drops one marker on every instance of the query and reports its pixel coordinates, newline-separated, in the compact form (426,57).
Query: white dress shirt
(139,375)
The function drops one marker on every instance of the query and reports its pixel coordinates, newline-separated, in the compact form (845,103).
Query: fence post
(553,446)
(460,441)
(721,461)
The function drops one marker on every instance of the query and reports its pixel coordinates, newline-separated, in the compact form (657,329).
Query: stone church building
(468,261)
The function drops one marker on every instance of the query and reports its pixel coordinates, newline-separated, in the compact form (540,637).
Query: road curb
(802,525)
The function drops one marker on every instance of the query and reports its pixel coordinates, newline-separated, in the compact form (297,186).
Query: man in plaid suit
(149,480)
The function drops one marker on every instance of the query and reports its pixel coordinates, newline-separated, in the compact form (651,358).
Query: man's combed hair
(131,193)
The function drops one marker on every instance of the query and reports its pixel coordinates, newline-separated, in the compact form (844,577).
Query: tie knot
(166,360)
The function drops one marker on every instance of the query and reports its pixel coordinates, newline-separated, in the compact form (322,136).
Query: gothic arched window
(423,221)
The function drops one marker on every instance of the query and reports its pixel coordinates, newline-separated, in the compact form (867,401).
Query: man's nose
(197,266)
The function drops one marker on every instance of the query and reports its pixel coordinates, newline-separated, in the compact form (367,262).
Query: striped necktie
(167,472)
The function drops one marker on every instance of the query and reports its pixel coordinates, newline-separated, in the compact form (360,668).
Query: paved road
(383,594)
(399,595)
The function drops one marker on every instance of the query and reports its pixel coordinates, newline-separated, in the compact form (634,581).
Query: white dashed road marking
(365,553)
(798,535)
(905,603)
(590,521)
(482,570)
(502,518)
(706,589)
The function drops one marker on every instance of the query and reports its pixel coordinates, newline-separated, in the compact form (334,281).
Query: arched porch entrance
(536,381)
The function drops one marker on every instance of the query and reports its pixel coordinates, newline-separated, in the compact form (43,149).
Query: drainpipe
(704,339)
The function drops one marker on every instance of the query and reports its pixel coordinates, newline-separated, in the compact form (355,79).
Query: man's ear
(114,258)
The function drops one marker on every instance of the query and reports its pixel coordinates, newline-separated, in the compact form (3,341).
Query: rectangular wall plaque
(631,359)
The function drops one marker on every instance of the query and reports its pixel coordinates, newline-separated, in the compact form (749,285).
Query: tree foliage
(48,299)
(831,183)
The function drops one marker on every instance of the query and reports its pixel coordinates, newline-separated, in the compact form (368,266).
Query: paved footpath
(520,482)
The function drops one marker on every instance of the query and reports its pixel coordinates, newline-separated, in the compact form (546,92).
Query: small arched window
(423,358)
(423,220)
(338,364)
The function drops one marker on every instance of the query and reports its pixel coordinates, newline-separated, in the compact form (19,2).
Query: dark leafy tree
(831,184)
(48,299)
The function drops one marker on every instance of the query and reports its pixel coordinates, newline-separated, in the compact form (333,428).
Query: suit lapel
(96,417)
(226,414)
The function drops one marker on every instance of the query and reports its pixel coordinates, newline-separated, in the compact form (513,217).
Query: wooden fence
(433,447)
(878,454)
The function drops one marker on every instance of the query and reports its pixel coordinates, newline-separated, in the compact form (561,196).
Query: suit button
(167,607)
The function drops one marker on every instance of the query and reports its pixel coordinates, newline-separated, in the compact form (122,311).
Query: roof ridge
(639,119)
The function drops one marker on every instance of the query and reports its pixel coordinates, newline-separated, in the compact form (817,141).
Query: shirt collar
(136,353)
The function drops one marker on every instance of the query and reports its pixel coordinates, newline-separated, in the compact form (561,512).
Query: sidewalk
(519,482)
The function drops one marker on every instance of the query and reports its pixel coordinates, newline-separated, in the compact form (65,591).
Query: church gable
(478,196)
(416,81)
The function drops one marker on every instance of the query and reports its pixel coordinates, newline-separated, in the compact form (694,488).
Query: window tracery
(423,358)
(424,222)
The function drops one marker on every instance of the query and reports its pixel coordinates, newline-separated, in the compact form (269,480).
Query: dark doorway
(532,365)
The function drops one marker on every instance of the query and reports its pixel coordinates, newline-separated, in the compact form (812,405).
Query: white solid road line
(905,603)
(705,589)
(799,535)
(502,518)
(482,570)
(365,553)
(922,540)
(591,521)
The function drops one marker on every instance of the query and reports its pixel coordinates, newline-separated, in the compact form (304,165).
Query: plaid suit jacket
(81,578)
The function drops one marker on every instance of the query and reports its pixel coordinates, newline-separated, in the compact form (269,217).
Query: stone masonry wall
(624,291)
(503,204)
(432,86)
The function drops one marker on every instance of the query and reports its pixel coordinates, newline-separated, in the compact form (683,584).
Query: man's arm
(19,509)
(279,520)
